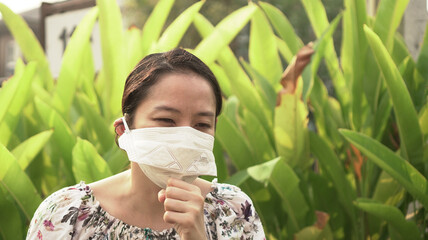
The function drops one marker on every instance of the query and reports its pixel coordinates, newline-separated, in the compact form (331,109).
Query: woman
(170,105)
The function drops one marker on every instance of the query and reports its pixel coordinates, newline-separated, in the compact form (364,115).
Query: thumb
(161,195)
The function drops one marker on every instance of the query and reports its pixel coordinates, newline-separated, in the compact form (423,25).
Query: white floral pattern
(74,213)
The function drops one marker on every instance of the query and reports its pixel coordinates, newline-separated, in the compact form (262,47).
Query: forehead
(182,88)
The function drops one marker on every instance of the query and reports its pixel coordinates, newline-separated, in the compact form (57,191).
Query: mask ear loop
(126,125)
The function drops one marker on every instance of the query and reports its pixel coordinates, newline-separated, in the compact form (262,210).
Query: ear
(119,128)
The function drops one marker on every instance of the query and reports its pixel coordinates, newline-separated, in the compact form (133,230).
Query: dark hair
(151,67)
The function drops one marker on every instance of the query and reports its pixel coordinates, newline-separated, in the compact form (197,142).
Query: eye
(203,126)
(165,120)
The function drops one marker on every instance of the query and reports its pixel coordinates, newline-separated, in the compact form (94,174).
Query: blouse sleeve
(56,215)
(230,214)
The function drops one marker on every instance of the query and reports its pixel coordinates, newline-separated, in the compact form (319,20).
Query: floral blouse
(74,213)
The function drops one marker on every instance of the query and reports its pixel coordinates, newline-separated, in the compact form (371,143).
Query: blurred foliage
(358,172)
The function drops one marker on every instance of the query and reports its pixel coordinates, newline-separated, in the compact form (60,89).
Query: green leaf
(262,52)
(88,165)
(388,18)
(62,137)
(133,48)
(392,215)
(283,27)
(265,89)
(113,53)
(401,170)
(222,78)
(99,132)
(10,219)
(262,172)
(234,142)
(238,178)
(28,150)
(175,31)
(423,56)
(72,63)
(240,84)
(209,48)
(18,184)
(290,130)
(353,53)
(28,43)
(294,202)
(318,18)
(220,161)
(14,92)
(14,95)
(154,24)
(410,138)
(332,167)
(311,70)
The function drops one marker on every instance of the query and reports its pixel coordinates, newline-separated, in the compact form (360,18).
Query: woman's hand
(184,207)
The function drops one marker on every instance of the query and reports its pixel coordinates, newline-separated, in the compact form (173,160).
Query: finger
(161,196)
(184,195)
(173,182)
(183,220)
(174,205)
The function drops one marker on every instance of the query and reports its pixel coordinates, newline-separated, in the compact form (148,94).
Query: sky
(19,6)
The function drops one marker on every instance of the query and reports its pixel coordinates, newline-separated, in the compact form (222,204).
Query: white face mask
(163,152)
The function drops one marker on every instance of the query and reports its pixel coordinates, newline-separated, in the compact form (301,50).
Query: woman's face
(178,99)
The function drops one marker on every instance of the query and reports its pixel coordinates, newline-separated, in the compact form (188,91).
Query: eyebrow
(174,110)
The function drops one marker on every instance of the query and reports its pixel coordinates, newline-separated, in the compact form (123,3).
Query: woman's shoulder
(223,192)
(230,213)
(58,211)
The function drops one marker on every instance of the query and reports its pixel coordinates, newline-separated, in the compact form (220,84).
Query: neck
(142,193)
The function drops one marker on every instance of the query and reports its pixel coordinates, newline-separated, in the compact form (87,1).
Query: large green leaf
(410,137)
(290,130)
(154,24)
(259,140)
(392,215)
(133,48)
(98,130)
(113,53)
(423,56)
(28,43)
(222,78)
(234,142)
(388,18)
(240,84)
(175,31)
(262,172)
(353,51)
(332,167)
(14,95)
(63,138)
(293,199)
(10,219)
(401,170)
(262,52)
(311,70)
(18,184)
(265,89)
(283,27)
(72,63)
(88,165)
(318,18)
(28,150)
(209,48)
